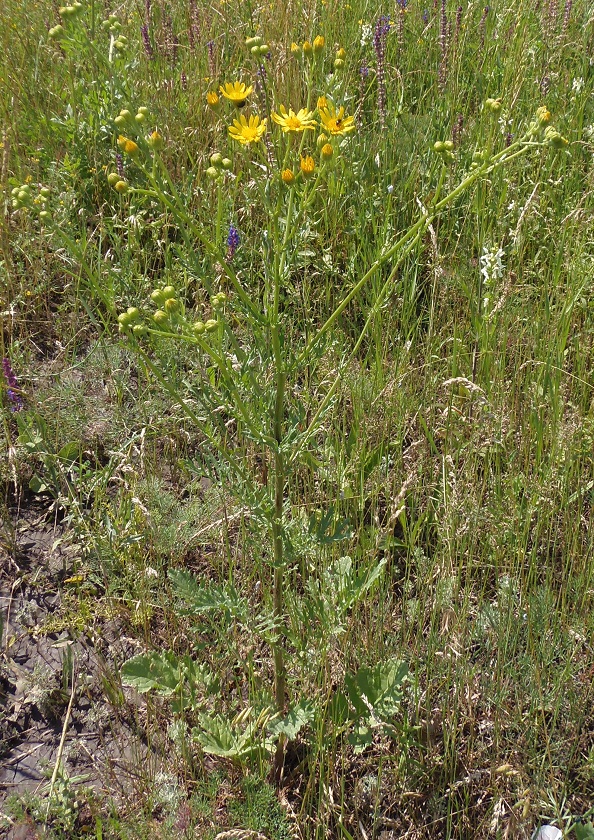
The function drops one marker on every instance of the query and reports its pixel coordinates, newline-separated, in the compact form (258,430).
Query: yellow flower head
(291,121)
(319,43)
(341,54)
(307,165)
(247,131)
(128,146)
(212,100)
(307,48)
(322,102)
(327,151)
(236,92)
(287,177)
(543,115)
(295,48)
(335,122)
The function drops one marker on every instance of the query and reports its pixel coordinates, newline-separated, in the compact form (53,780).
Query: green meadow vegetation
(298,335)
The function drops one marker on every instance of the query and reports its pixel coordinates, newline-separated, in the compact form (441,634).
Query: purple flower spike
(232,242)
(12,390)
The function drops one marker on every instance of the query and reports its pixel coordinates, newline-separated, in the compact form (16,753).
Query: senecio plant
(292,153)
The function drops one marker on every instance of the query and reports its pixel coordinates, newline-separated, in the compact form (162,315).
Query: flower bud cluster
(129,322)
(132,124)
(111,24)
(540,128)
(445,148)
(257,47)
(23,199)
(218,166)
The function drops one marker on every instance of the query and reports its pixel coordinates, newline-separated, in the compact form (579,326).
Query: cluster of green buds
(70,12)
(23,198)
(540,127)
(257,47)
(130,322)
(493,105)
(168,305)
(125,119)
(479,157)
(445,148)
(218,165)
(339,59)
(111,24)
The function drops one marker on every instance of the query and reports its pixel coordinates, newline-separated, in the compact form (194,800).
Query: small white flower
(390,189)
(366,33)
(491,264)
(577,84)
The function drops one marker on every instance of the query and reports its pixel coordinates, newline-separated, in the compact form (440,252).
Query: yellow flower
(335,122)
(322,102)
(327,151)
(236,92)
(247,131)
(291,121)
(287,177)
(295,48)
(319,43)
(307,165)
(213,100)
(128,146)
(543,115)
(307,48)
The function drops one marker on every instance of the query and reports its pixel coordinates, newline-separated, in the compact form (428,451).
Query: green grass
(455,451)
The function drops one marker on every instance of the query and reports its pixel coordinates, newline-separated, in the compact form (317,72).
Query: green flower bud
(553,138)
(126,115)
(211,325)
(124,319)
(493,105)
(172,305)
(158,297)
(120,46)
(255,41)
(168,292)
(216,159)
(122,187)
(44,192)
(212,172)
(113,178)
(139,329)
(448,145)
(226,164)
(438,147)
(140,118)
(45,216)
(255,50)
(133,312)
(264,50)
(338,63)
(160,317)
(198,328)
(144,110)
(56,32)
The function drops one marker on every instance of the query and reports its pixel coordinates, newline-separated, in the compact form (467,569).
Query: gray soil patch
(63,684)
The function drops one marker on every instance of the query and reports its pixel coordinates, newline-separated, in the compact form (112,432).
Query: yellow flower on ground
(236,92)
(291,121)
(307,165)
(247,131)
(335,122)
